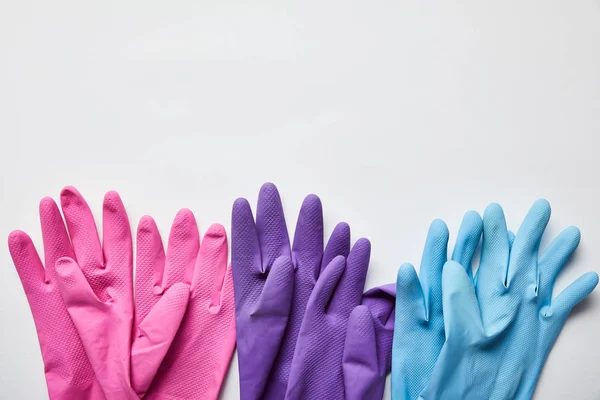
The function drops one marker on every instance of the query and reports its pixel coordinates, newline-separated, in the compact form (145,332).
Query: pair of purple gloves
(305,330)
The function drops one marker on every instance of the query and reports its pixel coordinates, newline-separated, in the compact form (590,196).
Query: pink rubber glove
(69,374)
(195,366)
(98,294)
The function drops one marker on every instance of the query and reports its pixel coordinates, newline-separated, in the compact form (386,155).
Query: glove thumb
(362,376)
(155,334)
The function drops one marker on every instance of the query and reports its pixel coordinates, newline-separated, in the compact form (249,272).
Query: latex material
(196,364)
(69,374)
(97,292)
(500,330)
(419,324)
(273,283)
(367,353)
(317,371)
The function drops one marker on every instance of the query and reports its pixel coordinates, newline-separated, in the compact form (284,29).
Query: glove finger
(75,289)
(410,303)
(495,250)
(554,258)
(245,253)
(321,294)
(211,265)
(524,252)
(225,317)
(116,240)
(28,265)
(270,226)
(227,301)
(337,245)
(573,295)
(348,293)
(461,309)
(409,313)
(149,267)
(82,230)
(273,306)
(155,334)
(360,364)
(54,234)
(432,262)
(463,330)
(276,297)
(307,250)
(467,240)
(182,249)
(511,240)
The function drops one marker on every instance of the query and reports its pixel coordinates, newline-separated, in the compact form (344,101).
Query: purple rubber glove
(317,367)
(368,348)
(272,284)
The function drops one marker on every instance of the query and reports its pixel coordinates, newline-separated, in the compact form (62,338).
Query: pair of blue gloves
(460,335)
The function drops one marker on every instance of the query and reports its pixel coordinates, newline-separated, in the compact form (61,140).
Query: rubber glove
(272,285)
(367,357)
(69,374)
(97,292)
(196,364)
(419,324)
(316,371)
(500,330)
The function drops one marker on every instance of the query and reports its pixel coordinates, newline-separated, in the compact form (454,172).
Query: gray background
(394,112)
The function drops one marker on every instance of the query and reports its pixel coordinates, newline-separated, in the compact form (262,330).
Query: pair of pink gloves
(176,342)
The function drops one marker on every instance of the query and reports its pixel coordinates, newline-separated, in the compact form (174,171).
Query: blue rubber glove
(501,327)
(419,323)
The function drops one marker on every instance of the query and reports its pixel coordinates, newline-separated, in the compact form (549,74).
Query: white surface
(393,112)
